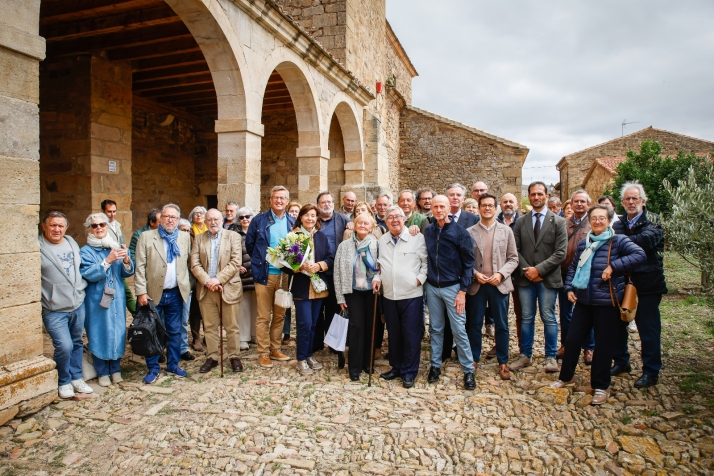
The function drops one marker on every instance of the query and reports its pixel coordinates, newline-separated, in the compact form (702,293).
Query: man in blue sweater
(450,272)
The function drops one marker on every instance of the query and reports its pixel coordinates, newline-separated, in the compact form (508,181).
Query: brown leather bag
(628,306)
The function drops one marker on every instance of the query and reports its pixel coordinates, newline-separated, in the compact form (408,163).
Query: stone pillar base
(26,387)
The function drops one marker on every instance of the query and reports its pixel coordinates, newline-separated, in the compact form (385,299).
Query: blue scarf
(173,249)
(592,243)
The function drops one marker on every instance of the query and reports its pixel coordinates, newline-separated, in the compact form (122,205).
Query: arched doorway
(346,161)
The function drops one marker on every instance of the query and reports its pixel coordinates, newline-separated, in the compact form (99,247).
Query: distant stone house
(575,167)
(601,174)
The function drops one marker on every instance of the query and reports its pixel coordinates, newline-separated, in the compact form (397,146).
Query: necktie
(536,228)
(394,239)
(452,218)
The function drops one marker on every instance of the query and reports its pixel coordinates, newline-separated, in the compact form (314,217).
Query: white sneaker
(244,345)
(116,377)
(81,386)
(104,381)
(66,391)
(313,364)
(303,368)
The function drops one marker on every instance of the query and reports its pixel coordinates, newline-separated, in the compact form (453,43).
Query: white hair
(90,219)
(579,192)
(628,185)
(394,208)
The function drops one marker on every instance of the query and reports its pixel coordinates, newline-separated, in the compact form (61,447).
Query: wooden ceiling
(167,63)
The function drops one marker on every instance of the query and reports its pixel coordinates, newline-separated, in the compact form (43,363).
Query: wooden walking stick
(371,347)
(220,327)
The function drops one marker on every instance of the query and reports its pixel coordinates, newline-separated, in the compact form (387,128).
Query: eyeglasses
(599,219)
(244,217)
(170,217)
(97,225)
(394,217)
(631,199)
(426,199)
(213,220)
(487,206)
(198,213)
(480,190)
(279,198)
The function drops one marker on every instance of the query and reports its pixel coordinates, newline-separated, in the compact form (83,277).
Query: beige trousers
(269,331)
(209,311)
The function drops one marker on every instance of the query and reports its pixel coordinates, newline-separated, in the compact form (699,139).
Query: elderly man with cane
(215,262)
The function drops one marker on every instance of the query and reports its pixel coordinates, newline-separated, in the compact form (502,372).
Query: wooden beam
(175,90)
(122,39)
(196,102)
(69,10)
(182,81)
(278,107)
(277,95)
(188,96)
(193,57)
(154,50)
(112,24)
(173,72)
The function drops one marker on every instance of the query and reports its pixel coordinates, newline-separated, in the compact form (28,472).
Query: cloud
(560,76)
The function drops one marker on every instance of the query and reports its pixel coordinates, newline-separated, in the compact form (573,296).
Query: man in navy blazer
(456,193)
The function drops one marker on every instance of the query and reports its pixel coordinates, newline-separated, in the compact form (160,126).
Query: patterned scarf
(364,265)
(198,229)
(592,243)
(172,251)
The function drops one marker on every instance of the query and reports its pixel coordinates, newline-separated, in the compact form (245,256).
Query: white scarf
(106,242)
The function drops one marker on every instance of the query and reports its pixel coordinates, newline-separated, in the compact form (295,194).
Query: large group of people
(455,259)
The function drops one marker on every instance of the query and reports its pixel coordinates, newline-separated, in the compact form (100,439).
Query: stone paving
(273,421)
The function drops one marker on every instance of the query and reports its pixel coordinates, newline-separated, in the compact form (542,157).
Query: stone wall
(279,163)
(598,181)
(436,152)
(574,167)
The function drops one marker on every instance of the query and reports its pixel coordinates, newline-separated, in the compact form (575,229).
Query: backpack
(147,334)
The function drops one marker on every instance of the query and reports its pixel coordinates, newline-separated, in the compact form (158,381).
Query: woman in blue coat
(104,263)
(590,278)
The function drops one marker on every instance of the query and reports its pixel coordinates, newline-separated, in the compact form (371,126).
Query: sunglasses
(97,225)
(244,217)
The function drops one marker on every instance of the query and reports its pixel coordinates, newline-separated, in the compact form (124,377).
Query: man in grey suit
(542,242)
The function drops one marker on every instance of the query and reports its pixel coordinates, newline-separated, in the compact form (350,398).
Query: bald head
(478,189)
(214,221)
(348,201)
(509,204)
(440,208)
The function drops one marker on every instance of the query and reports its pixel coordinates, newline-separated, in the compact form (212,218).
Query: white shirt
(541,218)
(170,281)
(455,216)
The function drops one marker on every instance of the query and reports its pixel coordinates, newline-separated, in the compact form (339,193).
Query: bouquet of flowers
(292,252)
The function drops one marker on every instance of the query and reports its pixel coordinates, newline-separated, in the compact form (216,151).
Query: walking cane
(220,327)
(371,347)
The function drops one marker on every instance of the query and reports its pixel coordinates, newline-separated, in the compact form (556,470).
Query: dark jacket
(301,281)
(546,253)
(647,233)
(467,220)
(340,223)
(625,256)
(501,219)
(576,232)
(246,278)
(257,242)
(450,255)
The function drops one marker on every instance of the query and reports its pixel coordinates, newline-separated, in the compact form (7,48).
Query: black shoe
(340,360)
(162,359)
(391,374)
(354,376)
(434,374)
(620,369)
(469,382)
(646,381)
(187,356)
(366,370)
(408,382)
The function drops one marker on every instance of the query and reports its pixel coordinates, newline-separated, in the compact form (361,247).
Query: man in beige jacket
(495,259)
(216,259)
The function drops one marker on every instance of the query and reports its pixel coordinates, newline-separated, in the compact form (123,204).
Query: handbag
(336,336)
(284,298)
(88,370)
(107,297)
(628,306)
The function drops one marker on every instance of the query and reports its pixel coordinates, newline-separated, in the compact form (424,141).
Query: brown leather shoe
(208,365)
(277,355)
(504,372)
(197,346)
(560,353)
(265,361)
(236,364)
(491,353)
(588,357)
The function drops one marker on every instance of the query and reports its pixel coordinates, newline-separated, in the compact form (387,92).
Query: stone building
(574,167)
(601,174)
(197,102)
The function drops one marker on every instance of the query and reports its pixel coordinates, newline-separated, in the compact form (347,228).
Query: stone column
(376,171)
(239,162)
(312,173)
(28,380)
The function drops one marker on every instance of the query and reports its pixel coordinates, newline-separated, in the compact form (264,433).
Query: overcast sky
(560,76)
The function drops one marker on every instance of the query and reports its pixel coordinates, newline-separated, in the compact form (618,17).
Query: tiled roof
(608,163)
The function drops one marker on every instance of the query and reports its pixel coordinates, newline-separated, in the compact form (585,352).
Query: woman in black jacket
(595,285)
(249,305)
(307,302)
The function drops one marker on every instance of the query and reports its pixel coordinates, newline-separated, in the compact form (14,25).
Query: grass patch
(11,471)
(166,383)
(681,276)
(625,420)
(696,382)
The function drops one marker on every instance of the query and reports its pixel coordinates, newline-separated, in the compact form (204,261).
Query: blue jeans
(65,329)
(497,302)
(171,308)
(106,367)
(441,305)
(184,324)
(536,294)
(566,315)
(649,327)
(306,313)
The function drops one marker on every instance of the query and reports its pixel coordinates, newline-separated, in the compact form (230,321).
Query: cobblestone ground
(270,422)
